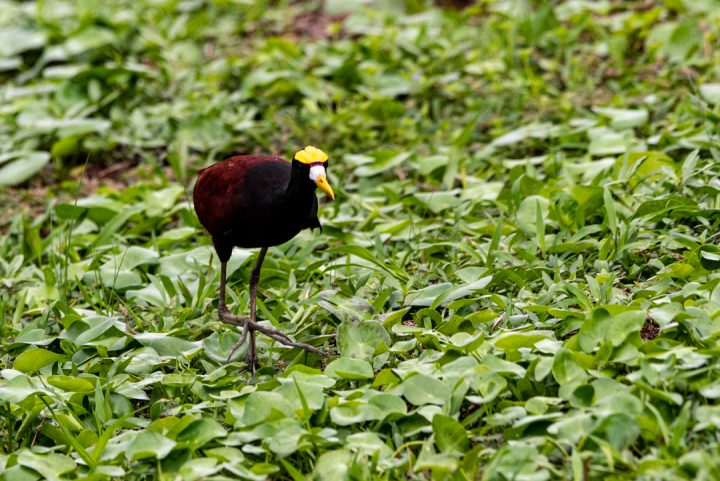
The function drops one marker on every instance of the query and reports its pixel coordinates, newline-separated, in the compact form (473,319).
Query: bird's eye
(316,171)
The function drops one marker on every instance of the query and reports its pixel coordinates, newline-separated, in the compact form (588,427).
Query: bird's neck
(299,187)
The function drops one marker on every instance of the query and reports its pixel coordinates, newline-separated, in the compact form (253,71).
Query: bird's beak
(323,184)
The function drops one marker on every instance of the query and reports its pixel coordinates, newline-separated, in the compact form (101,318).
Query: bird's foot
(251,363)
(279,336)
(240,342)
(232,319)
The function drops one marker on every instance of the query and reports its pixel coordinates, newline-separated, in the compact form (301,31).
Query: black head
(312,162)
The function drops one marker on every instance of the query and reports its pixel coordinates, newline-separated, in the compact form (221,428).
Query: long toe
(251,364)
(235,347)
(231,319)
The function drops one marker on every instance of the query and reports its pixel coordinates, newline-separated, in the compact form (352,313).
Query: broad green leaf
(439,202)
(623,324)
(427,295)
(349,368)
(49,466)
(422,389)
(368,444)
(71,384)
(711,391)
(285,441)
(65,127)
(594,330)
(709,255)
(23,166)
(199,468)
(640,167)
(604,141)
(149,444)
(33,359)
(388,405)
(349,412)
(458,292)
(450,436)
(333,465)
(528,212)
(14,40)
(199,433)
(259,405)
(383,161)
(619,429)
(623,118)
(674,206)
(437,462)
(566,369)
(488,385)
(361,340)
(710,92)
(166,345)
(18,388)
(512,341)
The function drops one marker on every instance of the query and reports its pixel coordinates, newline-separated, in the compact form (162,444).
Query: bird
(259,201)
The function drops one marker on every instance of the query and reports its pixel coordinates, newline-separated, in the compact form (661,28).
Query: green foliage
(519,278)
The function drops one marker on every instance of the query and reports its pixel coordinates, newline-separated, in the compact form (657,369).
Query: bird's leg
(251,356)
(249,324)
(223,311)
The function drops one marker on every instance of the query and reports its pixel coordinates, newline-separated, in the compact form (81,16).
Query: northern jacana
(258,201)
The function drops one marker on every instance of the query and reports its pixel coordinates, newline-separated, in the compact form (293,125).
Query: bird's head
(315,161)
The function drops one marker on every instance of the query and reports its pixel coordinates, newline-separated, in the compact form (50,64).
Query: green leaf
(368,444)
(709,255)
(675,207)
(711,93)
(623,324)
(259,405)
(166,345)
(450,436)
(637,167)
(439,202)
(71,384)
(437,462)
(458,292)
(14,40)
(422,389)
(566,369)
(388,405)
(512,341)
(18,389)
(382,161)
(33,359)
(623,118)
(24,166)
(349,368)
(349,412)
(361,340)
(50,466)
(528,213)
(610,214)
(333,465)
(427,295)
(149,444)
(199,433)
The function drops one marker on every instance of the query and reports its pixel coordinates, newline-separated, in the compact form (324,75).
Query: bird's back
(240,201)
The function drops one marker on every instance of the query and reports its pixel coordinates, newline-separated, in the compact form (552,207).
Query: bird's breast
(274,223)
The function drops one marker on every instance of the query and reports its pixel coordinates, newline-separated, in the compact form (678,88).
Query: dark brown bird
(259,201)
